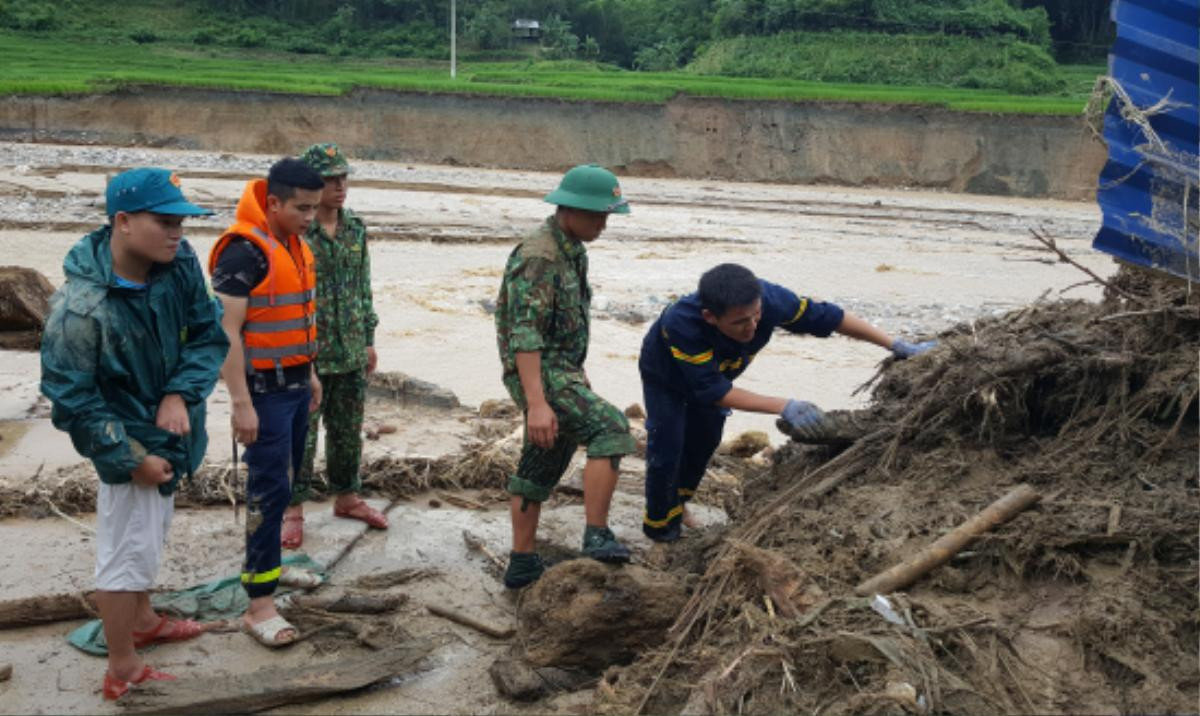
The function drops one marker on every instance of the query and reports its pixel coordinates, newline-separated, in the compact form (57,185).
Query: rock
(498,409)
(24,306)
(407,390)
(516,680)
(640,438)
(571,482)
(635,412)
(591,615)
(520,681)
(5,672)
(747,444)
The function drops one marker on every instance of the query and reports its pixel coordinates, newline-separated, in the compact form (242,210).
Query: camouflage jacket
(543,306)
(346,317)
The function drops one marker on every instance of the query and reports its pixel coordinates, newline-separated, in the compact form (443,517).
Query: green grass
(1081,78)
(53,67)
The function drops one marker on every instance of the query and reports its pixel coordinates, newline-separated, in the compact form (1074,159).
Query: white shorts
(131,530)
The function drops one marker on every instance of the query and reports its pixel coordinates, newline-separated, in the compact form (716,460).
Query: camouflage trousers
(584,418)
(342,398)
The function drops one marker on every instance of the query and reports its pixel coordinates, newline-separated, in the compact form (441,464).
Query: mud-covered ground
(913,262)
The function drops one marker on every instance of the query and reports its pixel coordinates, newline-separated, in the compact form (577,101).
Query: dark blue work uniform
(687,366)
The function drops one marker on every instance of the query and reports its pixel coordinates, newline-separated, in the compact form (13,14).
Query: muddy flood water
(913,262)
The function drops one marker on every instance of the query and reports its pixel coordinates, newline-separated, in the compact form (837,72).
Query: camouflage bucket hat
(326,159)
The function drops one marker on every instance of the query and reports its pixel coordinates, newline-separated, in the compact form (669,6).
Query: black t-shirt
(240,268)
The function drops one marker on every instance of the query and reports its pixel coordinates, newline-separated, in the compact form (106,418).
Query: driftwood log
(470,621)
(271,687)
(45,609)
(346,602)
(901,575)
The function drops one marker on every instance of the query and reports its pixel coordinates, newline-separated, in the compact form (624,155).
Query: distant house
(529,30)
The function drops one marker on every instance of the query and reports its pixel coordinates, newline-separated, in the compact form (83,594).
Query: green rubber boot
(524,568)
(601,544)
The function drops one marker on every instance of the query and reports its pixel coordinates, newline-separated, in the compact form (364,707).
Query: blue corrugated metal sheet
(1148,189)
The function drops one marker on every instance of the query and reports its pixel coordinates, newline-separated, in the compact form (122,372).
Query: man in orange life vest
(264,275)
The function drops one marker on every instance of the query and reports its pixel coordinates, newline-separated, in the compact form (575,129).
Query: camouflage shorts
(584,418)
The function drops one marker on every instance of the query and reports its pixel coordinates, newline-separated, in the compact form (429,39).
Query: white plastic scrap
(884,608)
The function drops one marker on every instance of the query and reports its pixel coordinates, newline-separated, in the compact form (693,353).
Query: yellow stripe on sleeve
(799,312)
(698,359)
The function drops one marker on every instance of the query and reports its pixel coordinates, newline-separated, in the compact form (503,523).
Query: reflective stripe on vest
(299,349)
(291,324)
(282,299)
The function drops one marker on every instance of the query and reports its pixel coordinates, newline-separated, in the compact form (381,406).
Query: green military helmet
(592,188)
(326,159)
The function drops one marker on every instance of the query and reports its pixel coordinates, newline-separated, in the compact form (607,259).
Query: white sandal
(299,578)
(267,632)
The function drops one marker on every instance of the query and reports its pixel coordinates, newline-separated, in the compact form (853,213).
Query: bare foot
(292,534)
(689,520)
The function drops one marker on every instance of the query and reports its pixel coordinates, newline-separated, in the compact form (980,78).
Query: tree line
(636,34)
(625,32)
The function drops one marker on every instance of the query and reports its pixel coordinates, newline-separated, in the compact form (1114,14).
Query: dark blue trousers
(271,462)
(681,437)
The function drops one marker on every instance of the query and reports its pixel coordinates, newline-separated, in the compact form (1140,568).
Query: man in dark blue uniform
(690,357)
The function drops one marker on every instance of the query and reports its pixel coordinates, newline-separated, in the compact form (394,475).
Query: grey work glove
(804,418)
(904,349)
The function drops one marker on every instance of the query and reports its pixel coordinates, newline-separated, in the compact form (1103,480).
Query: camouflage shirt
(543,306)
(346,317)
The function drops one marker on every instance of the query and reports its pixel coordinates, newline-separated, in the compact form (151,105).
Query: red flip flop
(166,631)
(362,511)
(115,688)
(293,532)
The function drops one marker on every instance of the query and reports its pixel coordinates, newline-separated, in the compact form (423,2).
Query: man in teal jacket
(132,348)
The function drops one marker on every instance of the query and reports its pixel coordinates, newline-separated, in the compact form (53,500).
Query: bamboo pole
(901,575)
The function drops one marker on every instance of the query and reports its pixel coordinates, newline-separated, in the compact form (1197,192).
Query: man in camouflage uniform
(346,323)
(542,326)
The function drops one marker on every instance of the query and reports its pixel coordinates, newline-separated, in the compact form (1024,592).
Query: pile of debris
(72,490)
(1082,602)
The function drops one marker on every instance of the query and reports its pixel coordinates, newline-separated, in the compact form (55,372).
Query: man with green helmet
(542,326)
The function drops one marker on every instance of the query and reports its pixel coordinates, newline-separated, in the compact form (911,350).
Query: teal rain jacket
(110,354)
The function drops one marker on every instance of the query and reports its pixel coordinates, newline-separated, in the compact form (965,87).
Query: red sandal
(293,532)
(166,631)
(115,688)
(362,511)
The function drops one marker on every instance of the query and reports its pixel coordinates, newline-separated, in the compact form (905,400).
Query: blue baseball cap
(148,189)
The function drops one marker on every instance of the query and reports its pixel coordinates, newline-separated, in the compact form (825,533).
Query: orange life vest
(280,328)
